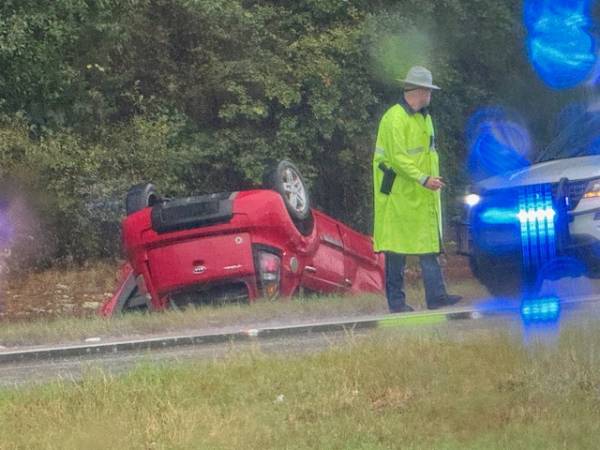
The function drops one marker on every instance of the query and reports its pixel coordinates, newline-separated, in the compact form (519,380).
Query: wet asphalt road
(72,369)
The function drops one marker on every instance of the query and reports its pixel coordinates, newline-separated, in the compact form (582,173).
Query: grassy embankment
(57,306)
(393,389)
(77,329)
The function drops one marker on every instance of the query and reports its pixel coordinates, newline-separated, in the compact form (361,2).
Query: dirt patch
(73,292)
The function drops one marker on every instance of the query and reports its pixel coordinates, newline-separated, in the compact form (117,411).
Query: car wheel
(501,277)
(285,178)
(140,196)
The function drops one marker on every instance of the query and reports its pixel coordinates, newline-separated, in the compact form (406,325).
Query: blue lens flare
(559,45)
(497,143)
(540,310)
(496,216)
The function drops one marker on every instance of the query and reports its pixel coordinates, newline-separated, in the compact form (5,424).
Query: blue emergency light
(540,310)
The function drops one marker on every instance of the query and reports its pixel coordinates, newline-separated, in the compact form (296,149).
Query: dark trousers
(435,288)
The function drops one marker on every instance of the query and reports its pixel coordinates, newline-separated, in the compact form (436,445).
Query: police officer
(407,186)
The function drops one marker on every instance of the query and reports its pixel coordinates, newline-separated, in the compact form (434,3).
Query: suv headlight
(593,189)
(471,197)
(472,200)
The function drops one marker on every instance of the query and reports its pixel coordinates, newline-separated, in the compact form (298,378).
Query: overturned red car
(238,246)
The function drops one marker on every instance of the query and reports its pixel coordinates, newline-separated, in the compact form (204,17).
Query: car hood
(546,172)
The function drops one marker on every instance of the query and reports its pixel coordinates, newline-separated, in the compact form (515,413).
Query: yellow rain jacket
(408,220)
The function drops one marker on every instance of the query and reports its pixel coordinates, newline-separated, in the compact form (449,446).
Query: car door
(324,271)
(363,271)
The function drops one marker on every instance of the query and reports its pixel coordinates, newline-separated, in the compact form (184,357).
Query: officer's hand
(435,183)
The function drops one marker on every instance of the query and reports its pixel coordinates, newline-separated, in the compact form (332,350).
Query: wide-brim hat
(419,77)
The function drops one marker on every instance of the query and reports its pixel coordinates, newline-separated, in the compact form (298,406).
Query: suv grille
(575,192)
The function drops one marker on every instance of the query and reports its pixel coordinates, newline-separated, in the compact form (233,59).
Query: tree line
(198,96)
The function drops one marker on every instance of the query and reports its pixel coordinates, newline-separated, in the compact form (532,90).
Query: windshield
(578,134)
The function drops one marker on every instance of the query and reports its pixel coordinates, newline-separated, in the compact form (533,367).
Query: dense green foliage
(198,96)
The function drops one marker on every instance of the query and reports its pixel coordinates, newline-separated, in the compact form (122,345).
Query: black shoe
(401,309)
(448,300)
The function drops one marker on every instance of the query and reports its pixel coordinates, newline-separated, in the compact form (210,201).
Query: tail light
(269,269)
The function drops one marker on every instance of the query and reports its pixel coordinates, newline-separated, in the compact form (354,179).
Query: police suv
(539,222)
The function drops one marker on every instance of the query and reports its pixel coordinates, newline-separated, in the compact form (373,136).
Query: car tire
(140,196)
(285,178)
(501,277)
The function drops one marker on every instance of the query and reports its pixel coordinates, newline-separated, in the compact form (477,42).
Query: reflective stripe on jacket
(408,220)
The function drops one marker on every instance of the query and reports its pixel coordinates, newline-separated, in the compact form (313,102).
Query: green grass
(393,389)
(76,330)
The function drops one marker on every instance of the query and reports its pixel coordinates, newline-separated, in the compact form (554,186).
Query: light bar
(535,215)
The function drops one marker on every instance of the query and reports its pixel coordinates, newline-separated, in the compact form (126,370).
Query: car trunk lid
(201,260)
